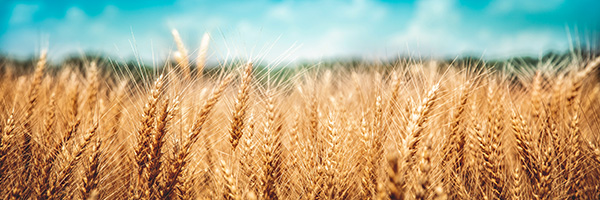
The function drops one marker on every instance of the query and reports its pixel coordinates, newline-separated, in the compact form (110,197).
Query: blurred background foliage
(137,70)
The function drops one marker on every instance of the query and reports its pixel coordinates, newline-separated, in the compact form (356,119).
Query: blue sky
(296,30)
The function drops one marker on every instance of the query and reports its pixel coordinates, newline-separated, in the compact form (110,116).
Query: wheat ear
(247,151)
(525,147)
(202,53)
(378,138)
(422,186)
(91,177)
(56,190)
(144,136)
(272,149)
(6,140)
(72,128)
(181,56)
(32,94)
(417,121)
(27,145)
(368,171)
(241,105)
(492,156)
(173,180)
(157,141)
(50,117)
(456,138)
(574,166)
(230,192)
(93,87)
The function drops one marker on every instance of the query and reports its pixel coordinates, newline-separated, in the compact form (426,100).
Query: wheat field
(409,130)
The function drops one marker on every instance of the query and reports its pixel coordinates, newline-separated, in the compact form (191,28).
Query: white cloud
(326,29)
(77,32)
(75,14)
(364,9)
(531,6)
(526,42)
(281,12)
(333,42)
(23,13)
(330,28)
(432,29)
(440,28)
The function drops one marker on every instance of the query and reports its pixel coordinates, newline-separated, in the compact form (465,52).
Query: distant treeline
(137,70)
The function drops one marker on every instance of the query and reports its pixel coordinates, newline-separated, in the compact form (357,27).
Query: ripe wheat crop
(410,130)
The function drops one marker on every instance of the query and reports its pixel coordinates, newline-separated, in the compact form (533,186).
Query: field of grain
(411,130)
